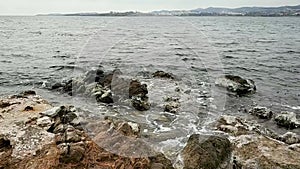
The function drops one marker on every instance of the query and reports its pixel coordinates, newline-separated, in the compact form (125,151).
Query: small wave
(21,55)
(292,107)
(181,54)
(242,50)
(265,41)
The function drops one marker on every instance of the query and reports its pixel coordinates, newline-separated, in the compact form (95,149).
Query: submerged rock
(287,120)
(140,104)
(162,74)
(208,153)
(237,84)
(261,112)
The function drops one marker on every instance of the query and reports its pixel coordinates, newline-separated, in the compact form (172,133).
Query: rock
(140,104)
(287,120)
(237,84)
(172,107)
(137,89)
(51,112)
(28,92)
(129,129)
(290,138)
(4,104)
(261,112)
(106,97)
(56,86)
(163,74)
(294,147)
(93,76)
(44,121)
(209,153)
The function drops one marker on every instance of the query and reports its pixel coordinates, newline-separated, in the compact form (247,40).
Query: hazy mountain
(244,11)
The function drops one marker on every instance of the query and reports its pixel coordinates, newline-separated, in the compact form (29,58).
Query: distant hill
(243,11)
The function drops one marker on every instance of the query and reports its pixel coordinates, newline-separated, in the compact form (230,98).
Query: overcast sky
(31,7)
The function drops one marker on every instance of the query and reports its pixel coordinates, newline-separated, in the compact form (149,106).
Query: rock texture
(208,153)
(254,148)
(287,120)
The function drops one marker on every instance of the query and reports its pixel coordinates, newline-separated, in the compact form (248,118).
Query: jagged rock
(290,138)
(51,112)
(137,89)
(163,74)
(105,97)
(172,107)
(287,120)
(208,153)
(261,112)
(128,128)
(139,104)
(237,84)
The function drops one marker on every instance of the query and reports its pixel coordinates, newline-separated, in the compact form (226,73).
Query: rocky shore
(35,134)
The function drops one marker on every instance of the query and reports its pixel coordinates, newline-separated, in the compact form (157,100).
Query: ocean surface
(38,51)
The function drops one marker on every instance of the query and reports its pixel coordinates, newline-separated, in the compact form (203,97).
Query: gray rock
(51,112)
(290,138)
(236,84)
(172,107)
(261,112)
(287,120)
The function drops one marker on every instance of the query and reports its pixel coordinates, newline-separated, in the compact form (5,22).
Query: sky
(32,7)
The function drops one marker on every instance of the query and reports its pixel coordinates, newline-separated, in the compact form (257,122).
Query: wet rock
(287,120)
(94,76)
(107,79)
(162,74)
(29,92)
(261,112)
(237,84)
(290,138)
(105,97)
(56,86)
(208,153)
(139,104)
(137,89)
(172,107)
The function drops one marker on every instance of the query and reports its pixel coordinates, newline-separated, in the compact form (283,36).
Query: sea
(37,51)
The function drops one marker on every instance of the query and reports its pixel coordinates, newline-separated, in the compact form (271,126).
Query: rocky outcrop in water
(287,120)
(107,87)
(236,84)
(261,112)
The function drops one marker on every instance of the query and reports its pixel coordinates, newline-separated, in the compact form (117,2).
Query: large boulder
(236,84)
(287,120)
(208,153)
